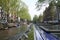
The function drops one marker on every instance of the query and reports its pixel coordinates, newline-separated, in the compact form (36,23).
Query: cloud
(32,7)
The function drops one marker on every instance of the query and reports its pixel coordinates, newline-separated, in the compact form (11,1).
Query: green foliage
(23,28)
(40,19)
(40,2)
(23,14)
(15,7)
(49,12)
(35,18)
(31,34)
(47,0)
(58,3)
(52,10)
(8,5)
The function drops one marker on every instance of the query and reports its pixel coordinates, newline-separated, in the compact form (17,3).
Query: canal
(13,33)
(5,34)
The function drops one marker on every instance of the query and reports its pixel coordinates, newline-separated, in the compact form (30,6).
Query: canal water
(15,32)
(5,34)
(12,33)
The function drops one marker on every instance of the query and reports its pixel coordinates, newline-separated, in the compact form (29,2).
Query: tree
(58,3)
(49,13)
(40,19)
(52,10)
(35,19)
(41,2)
(23,12)
(15,7)
(8,5)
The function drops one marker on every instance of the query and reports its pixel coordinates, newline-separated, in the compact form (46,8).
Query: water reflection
(5,34)
(13,33)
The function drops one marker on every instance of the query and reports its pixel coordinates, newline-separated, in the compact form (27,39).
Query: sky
(32,8)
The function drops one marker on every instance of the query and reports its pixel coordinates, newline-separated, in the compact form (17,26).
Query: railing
(49,26)
(52,27)
(40,32)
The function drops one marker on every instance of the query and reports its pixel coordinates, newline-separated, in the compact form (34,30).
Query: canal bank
(15,33)
(41,34)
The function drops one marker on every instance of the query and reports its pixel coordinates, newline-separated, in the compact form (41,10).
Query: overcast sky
(32,8)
